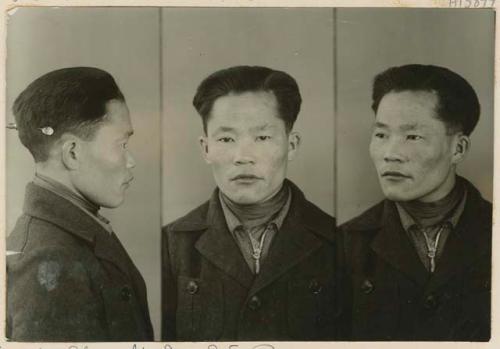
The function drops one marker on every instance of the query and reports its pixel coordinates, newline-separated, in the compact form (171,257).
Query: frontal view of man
(256,261)
(420,261)
(68,276)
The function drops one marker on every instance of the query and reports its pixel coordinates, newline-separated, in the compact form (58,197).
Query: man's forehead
(117,120)
(410,109)
(244,101)
(408,100)
(248,110)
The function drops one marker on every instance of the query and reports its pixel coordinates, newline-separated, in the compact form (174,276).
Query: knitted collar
(252,215)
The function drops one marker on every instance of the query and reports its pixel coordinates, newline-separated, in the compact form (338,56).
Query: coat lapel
(470,240)
(292,244)
(394,246)
(108,249)
(297,239)
(218,246)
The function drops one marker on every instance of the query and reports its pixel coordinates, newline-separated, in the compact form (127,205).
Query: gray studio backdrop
(197,42)
(124,42)
(372,40)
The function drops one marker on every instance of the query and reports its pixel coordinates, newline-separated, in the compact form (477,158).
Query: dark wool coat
(72,280)
(393,295)
(209,292)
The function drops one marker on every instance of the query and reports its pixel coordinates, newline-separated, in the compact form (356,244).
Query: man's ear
(204,148)
(293,144)
(461,148)
(71,151)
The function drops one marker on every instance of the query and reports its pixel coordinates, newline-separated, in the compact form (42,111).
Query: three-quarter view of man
(419,262)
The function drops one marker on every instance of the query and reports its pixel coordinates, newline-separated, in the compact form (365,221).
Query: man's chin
(242,198)
(395,195)
(114,203)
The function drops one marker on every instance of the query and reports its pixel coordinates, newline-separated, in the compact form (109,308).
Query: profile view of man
(68,276)
(256,261)
(420,261)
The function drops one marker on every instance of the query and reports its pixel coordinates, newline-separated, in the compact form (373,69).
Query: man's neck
(53,173)
(430,213)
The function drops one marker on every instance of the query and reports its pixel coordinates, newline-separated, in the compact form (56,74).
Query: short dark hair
(242,79)
(66,100)
(458,106)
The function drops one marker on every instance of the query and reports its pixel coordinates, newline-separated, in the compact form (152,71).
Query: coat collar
(304,230)
(393,245)
(471,239)
(48,206)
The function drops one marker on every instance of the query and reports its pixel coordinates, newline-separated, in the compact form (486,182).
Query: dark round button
(315,286)
(254,303)
(367,287)
(192,287)
(126,293)
(431,302)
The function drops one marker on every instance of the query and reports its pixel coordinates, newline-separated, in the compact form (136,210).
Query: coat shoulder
(368,220)
(318,220)
(42,246)
(195,220)
(32,234)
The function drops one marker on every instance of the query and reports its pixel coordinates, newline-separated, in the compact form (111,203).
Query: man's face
(105,162)
(411,149)
(247,146)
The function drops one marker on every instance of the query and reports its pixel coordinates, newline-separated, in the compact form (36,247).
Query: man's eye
(225,139)
(413,137)
(379,135)
(263,138)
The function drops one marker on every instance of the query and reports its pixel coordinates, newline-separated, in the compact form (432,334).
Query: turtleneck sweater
(429,224)
(430,213)
(253,226)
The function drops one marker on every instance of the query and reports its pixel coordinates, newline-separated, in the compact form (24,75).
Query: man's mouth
(127,182)
(245,178)
(394,175)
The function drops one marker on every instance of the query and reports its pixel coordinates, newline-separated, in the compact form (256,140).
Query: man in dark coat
(257,261)
(419,262)
(68,276)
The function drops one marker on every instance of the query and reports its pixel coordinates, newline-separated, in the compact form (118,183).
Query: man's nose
(394,151)
(244,153)
(130,160)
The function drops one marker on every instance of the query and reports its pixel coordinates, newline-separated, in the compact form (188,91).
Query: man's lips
(394,174)
(127,182)
(245,177)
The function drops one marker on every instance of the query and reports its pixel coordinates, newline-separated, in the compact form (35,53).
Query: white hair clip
(47,130)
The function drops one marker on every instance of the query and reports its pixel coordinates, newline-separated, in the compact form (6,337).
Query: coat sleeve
(169,291)
(50,298)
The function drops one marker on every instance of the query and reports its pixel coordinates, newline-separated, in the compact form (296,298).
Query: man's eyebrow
(222,129)
(409,127)
(379,124)
(263,127)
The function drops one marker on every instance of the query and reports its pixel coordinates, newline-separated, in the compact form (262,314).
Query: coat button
(254,303)
(367,287)
(192,287)
(126,293)
(315,286)
(431,302)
